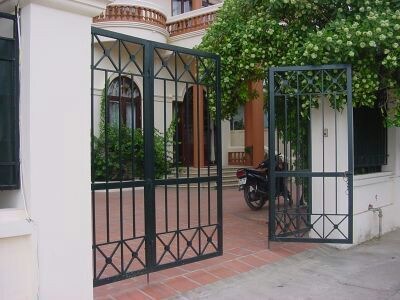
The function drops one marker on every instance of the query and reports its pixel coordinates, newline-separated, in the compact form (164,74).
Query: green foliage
(251,36)
(119,153)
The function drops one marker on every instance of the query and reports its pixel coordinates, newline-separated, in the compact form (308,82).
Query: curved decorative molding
(131,13)
(135,25)
(191,24)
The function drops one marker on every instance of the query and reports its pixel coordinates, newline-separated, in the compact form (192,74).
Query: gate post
(55,145)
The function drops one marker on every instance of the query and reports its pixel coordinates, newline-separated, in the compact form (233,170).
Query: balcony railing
(196,20)
(239,158)
(191,24)
(132,14)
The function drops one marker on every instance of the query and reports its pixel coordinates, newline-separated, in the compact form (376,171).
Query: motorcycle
(254,183)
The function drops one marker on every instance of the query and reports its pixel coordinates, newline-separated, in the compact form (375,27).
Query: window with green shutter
(370,139)
(9,90)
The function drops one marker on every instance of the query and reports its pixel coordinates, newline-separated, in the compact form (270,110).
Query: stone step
(229,179)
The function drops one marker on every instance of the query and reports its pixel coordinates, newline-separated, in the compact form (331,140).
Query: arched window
(122,93)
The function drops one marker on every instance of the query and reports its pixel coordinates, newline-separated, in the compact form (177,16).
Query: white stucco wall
(18,276)
(381,190)
(50,256)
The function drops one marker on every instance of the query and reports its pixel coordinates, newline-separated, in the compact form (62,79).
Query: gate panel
(311,127)
(187,214)
(152,209)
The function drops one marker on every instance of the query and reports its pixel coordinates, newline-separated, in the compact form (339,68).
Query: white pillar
(55,141)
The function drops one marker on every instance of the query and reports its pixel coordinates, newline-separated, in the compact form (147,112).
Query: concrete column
(254,123)
(198,126)
(55,142)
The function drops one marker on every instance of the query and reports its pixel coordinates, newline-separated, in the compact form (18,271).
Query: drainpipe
(380,215)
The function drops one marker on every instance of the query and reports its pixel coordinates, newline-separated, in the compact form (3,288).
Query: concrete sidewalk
(368,271)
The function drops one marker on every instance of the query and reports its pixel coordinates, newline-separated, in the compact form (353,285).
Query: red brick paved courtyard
(244,237)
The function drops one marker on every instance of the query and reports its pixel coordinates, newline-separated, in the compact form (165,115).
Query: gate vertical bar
(149,192)
(271,152)
(219,153)
(350,149)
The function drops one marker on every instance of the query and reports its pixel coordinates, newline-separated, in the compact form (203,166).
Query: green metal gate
(151,209)
(311,135)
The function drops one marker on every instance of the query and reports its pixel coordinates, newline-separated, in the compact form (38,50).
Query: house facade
(45,214)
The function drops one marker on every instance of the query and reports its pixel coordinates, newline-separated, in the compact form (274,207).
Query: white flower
(351,53)
(372,43)
(329,39)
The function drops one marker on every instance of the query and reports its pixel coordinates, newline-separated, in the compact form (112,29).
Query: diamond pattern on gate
(167,65)
(207,76)
(314,82)
(166,247)
(110,265)
(335,225)
(190,243)
(291,223)
(310,82)
(285,83)
(131,58)
(209,239)
(106,56)
(134,254)
(187,68)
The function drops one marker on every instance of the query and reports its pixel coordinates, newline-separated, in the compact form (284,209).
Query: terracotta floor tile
(173,272)
(252,260)
(237,266)
(192,267)
(239,251)
(268,256)
(158,291)
(132,295)
(181,284)
(222,272)
(202,277)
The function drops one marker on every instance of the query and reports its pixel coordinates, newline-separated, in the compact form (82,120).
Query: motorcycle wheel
(252,200)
